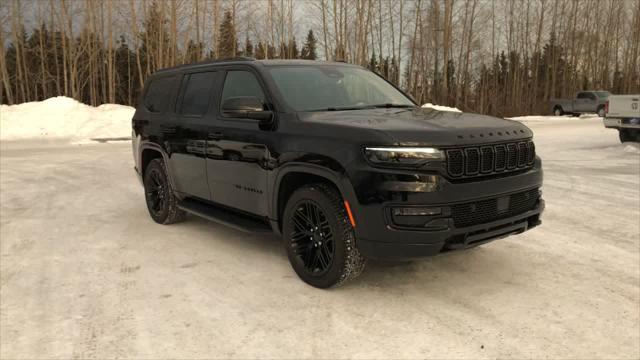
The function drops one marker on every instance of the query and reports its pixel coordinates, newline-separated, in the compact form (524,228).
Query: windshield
(334,87)
(602,94)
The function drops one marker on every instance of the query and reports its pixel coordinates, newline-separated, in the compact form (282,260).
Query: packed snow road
(85,273)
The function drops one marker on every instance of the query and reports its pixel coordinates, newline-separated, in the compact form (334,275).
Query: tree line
(496,57)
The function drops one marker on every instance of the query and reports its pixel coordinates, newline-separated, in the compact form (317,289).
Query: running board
(224,217)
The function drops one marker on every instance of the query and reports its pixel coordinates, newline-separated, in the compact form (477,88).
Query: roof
(245,60)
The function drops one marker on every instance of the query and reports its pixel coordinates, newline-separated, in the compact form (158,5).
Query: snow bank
(542,118)
(64,118)
(440,107)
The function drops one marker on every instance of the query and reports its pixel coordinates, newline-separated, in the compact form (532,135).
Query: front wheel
(558,111)
(319,238)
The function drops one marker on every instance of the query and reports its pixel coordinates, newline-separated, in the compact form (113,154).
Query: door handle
(168,129)
(215,135)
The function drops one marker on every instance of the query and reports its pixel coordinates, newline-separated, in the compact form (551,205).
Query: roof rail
(206,62)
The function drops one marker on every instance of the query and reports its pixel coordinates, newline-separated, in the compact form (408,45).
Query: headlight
(412,156)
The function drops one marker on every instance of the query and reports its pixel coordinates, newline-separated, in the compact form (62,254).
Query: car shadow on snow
(488,264)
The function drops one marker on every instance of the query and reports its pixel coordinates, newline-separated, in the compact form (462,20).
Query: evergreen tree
(309,48)
(126,74)
(293,49)
(260,51)
(373,63)
(248,47)
(227,41)
(271,51)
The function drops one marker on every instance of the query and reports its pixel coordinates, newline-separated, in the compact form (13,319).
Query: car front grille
(484,211)
(486,160)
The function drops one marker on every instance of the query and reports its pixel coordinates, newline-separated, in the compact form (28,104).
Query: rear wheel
(319,238)
(557,111)
(601,111)
(575,114)
(161,202)
(627,135)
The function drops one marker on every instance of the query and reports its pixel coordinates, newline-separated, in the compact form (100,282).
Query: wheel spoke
(324,263)
(299,223)
(311,238)
(304,217)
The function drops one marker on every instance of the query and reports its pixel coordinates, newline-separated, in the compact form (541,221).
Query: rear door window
(197,93)
(158,94)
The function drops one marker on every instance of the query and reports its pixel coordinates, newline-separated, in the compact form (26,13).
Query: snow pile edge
(441,108)
(64,118)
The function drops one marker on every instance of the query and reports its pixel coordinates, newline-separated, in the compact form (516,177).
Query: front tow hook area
(481,237)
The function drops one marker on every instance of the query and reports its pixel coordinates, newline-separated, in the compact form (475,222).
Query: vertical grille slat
(531,153)
(474,161)
(455,162)
(512,156)
(522,154)
(486,159)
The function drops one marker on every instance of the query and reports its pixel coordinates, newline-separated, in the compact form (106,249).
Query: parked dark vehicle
(584,102)
(333,158)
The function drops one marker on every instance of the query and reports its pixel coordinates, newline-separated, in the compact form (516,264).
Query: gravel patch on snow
(63,118)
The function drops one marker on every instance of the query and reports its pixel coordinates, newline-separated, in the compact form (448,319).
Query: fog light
(416,211)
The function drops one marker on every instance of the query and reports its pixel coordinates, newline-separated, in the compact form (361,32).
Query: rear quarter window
(157,96)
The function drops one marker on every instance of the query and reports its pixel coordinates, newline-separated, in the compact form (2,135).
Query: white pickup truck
(623,113)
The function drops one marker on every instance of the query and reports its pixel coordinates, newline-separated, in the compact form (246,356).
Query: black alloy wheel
(319,237)
(312,238)
(161,201)
(156,191)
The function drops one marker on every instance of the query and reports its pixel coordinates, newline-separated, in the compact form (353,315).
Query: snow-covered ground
(62,118)
(85,273)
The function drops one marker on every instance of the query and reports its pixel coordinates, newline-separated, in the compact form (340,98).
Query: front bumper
(427,243)
(380,237)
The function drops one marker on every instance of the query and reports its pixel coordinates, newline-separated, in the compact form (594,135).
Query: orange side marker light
(346,206)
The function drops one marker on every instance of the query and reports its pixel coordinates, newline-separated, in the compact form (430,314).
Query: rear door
(239,158)
(186,134)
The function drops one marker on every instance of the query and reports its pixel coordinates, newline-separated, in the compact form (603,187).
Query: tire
(624,135)
(557,111)
(319,238)
(161,202)
(628,135)
(575,114)
(601,111)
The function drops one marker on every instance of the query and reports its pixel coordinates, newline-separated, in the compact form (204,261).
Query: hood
(424,126)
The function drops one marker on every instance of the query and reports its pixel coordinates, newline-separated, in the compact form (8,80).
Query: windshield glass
(334,87)
(602,94)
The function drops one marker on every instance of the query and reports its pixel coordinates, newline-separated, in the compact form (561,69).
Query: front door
(238,157)
(584,102)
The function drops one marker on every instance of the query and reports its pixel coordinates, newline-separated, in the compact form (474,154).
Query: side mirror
(249,107)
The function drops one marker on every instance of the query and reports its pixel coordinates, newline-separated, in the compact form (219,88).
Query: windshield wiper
(375,106)
(340,108)
(392,105)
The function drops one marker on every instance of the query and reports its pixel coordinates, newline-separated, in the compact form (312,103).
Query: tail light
(606,107)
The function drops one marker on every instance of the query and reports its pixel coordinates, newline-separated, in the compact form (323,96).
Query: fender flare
(340,180)
(148,145)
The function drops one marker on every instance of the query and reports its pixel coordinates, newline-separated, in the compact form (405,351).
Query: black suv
(332,157)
